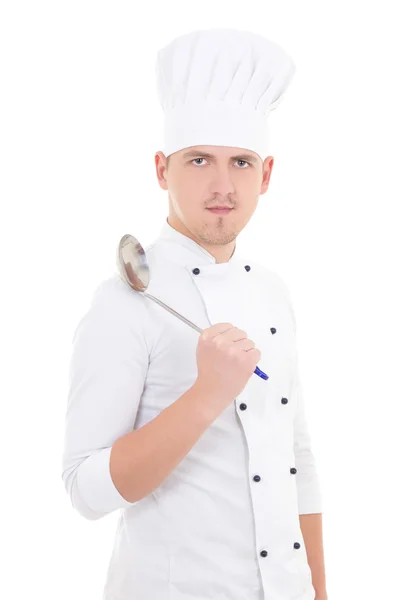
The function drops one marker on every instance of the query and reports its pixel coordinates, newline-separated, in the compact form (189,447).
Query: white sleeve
(107,372)
(309,497)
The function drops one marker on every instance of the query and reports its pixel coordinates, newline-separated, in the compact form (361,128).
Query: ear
(267,170)
(161,169)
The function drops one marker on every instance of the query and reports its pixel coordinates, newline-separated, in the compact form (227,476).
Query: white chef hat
(218,86)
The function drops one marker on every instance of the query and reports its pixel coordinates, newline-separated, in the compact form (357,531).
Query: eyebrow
(199,153)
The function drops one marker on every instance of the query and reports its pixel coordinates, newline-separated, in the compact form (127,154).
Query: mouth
(220,210)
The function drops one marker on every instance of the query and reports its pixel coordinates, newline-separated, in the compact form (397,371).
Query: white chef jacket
(224,525)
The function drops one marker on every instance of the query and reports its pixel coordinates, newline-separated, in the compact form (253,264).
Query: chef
(210,466)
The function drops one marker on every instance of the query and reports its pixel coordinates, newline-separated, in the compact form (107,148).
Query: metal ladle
(134,269)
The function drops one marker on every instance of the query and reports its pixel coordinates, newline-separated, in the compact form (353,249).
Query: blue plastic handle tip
(260,373)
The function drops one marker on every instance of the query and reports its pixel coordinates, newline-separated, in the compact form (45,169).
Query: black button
(243,406)
(196,271)
(247,267)
(296,545)
(273,330)
(293,471)
(256,478)
(263,553)
(284,400)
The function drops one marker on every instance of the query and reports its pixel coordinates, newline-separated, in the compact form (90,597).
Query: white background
(80,125)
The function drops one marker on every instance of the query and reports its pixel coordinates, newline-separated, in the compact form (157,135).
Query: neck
(221,252)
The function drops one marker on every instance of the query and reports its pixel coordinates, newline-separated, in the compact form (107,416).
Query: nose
(221,182)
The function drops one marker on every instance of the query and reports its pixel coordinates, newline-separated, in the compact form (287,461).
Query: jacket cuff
(95,493)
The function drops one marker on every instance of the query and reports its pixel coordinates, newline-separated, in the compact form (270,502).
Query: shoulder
(115,314)
(114,303)
(113,292)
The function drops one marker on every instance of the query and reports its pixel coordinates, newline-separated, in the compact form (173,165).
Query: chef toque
(218,86)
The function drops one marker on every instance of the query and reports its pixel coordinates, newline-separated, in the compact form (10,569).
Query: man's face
(201,177)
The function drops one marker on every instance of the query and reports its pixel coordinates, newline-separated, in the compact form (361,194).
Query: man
(211,464)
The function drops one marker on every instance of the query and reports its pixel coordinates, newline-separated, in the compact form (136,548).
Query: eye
(239,161)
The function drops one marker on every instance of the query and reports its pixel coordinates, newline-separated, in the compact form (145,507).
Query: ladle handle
(257,371)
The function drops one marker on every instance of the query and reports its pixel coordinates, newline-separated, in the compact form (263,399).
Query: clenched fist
(226,359)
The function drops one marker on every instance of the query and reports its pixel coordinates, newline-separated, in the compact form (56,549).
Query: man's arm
(107,464)
(108,369)
(309,498)
(308,487)
(311,528)
(141,460)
